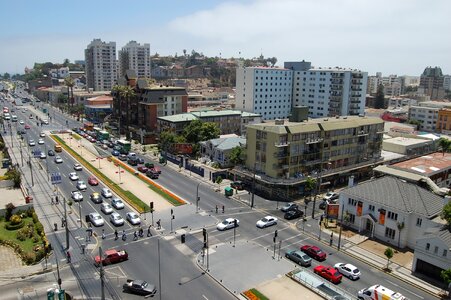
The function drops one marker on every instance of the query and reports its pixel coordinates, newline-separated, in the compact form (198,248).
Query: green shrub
(39,228)
(22,234)
(35,217)
(9,211)
(35,239)
(15,219)
(30,213)
(9,226)
(29,258)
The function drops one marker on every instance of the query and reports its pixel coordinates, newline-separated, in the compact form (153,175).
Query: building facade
(219,150)
(427,113)
(444,121)
(134,56)
(431,83)
(101,68)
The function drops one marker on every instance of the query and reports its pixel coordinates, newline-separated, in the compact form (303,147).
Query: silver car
(299,257)
(133,218)
(77,196)
(117,203)
(107,193)
(116,219)
(106,208)
(96,219)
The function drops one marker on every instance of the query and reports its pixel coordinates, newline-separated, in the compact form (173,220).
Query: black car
(152,174)
(133,161)
(139,287)
(51,153)
(323,205)
(293,214)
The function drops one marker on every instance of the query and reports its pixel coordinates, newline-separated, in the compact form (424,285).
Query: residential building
(265,91)
(408,146)
(62,72)
(444,121)
(393,85)
(427,114)
(219,150)
(101,69)
(97,108)
(380,207)
(134,56)
(447,82)
(249,119)
(431,83)
(395,102)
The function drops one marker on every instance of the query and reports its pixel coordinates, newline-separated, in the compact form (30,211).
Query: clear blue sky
(394,37)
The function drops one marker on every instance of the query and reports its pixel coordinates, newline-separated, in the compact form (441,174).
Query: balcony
(282,144)
(281,154)
(313,140)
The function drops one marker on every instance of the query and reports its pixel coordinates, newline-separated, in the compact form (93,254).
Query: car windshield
(225,222)
(133,216)
(265,219)
(144,284)
(96,217)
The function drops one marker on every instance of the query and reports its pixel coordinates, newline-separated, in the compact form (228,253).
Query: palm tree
(444,145)
(69,82)
(310,184)
(127,93)
(117,93)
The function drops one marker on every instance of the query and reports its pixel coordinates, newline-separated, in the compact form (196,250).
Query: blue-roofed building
(218,150)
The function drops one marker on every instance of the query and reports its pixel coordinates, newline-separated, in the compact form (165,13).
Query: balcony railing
(282,144)
(313,140)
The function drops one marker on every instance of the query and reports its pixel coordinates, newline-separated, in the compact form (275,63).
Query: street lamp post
(253,186)
(197,197)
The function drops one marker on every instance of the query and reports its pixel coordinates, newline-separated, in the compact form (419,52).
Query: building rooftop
(391,192)
(194,115)
(443,233)
(216,113)
(101,98)
(186,117)
(426,165)
(406,141)
(228,143)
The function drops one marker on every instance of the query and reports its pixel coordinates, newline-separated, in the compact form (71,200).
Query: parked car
(227,224)
(331,196)
(348,270)
(116,219)
(139,287)
(238,185)
(77,196)
(314,252)
(73,176)
(122,157)
(117,203)
(81,185)
(328,273)
(106,208)
(156,169)
(95,197)
(293,214)
(133,218)
(142,169)
(140,161)
(115,153)
(77,167)
(132,161)
(289,206)
(299,257)
(96,219)
(266,222)
(107,193)
(93,181)
(31,143)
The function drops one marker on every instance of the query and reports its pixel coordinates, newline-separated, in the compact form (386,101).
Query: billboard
(182,148)
(332,211)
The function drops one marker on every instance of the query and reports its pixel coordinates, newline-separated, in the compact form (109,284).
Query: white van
(377,292)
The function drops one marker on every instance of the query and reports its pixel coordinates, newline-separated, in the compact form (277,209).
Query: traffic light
(151,206)
(204,232)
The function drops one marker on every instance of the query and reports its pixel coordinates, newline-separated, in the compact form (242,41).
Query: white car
(96,219)
(21,122)
(133,218)
(116,219)
(266,222)
(58,160)
(117,203)
(330,196)
(43,155)
(77,167)
(106,208)
(106,193)
(77,196)
(73,176)
(81,185)
(45,121)
(227,224)
(31,143)
(348,270)
(42,134)
(40,141)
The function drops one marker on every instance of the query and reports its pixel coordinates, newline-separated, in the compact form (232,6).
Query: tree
(389,254)
(444,145)
(127,93)
(209,131)
(69,82)
(446,213)
(446,276)
(400,226)
(310,184)
(167,138)
(236,155)
(379,101)
(66,62)
(6,76)
(118,103)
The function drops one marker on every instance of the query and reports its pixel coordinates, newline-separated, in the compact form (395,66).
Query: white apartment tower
(101,70)
(134,56)
(265,91)
(328,92)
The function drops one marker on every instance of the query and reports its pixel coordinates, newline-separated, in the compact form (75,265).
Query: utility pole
(31,169)
(58,271)
(275,241)
(234,230)
(65,221)
(172,218)
(253,187)
(159,267)
(197,197)
(102,279)
(341,226)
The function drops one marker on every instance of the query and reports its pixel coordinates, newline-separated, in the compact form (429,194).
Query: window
(371,207)
(390,233)
(436,250)
(428,246)
(352,202)
(445,252)
(392,215)
(419,221)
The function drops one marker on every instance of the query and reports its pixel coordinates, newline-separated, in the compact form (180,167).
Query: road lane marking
(205,297)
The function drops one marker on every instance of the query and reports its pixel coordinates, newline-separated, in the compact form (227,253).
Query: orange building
(444,121)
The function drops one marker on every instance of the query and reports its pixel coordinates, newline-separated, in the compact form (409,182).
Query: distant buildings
(431,83)
(101,70)
(134,56)
(427,113)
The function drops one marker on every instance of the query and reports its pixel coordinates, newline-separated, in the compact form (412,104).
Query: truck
(379,292)
(139,287)
(111,256)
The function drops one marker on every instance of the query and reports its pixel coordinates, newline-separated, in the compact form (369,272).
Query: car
(329,273)
(299,257)
(104,147)
(73,176)
(151,173)
(106,208)
(123,157)
(116,219)
(31,143)
(140,161)
(143,169)
(45,121)
(106,193)
(323,204)
(115,153)
(21,122)
(77,167)
(139,287)
(314,252)
(238,185)
(58,159)
(156,169)
(43,155)
(21,131)
(132,161)
(31,116)
(42,134)
(27,126)
(95,197)
(331,196)
(50,153)
(77,196)
(293,214)
(289,206)
(81,185)
(96,219)
(111,256)
(348,270)
(93,181)
(266,222)
(133,218)
(227,224)
(41,142)
(93,140)
(117,203)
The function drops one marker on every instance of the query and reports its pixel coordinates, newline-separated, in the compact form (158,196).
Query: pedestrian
(135,236)
(141,232)
(223,209)
(68,257)
(115,235)
(63,222)
(103,234)
(216,208)
(52,201)
(83,247)
(124,236)
(149,233)
(159,223)
(57,200)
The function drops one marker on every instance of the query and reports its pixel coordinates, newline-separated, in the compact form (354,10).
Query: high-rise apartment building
(431,83)
(265,91)
(101,69)
(134,56)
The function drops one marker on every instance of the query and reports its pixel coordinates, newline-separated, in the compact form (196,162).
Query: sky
(390,36)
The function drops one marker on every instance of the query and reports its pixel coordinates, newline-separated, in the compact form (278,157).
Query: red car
(330,273)
(27,126)
(314,252)
(93,181)
(142,169)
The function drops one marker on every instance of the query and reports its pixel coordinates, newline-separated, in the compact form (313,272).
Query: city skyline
(401,37)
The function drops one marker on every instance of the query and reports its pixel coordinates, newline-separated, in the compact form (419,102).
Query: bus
(58,148)
(126,146)
(102,135)
(88,126)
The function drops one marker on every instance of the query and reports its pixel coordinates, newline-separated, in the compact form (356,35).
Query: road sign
(55,178)
(37,153)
